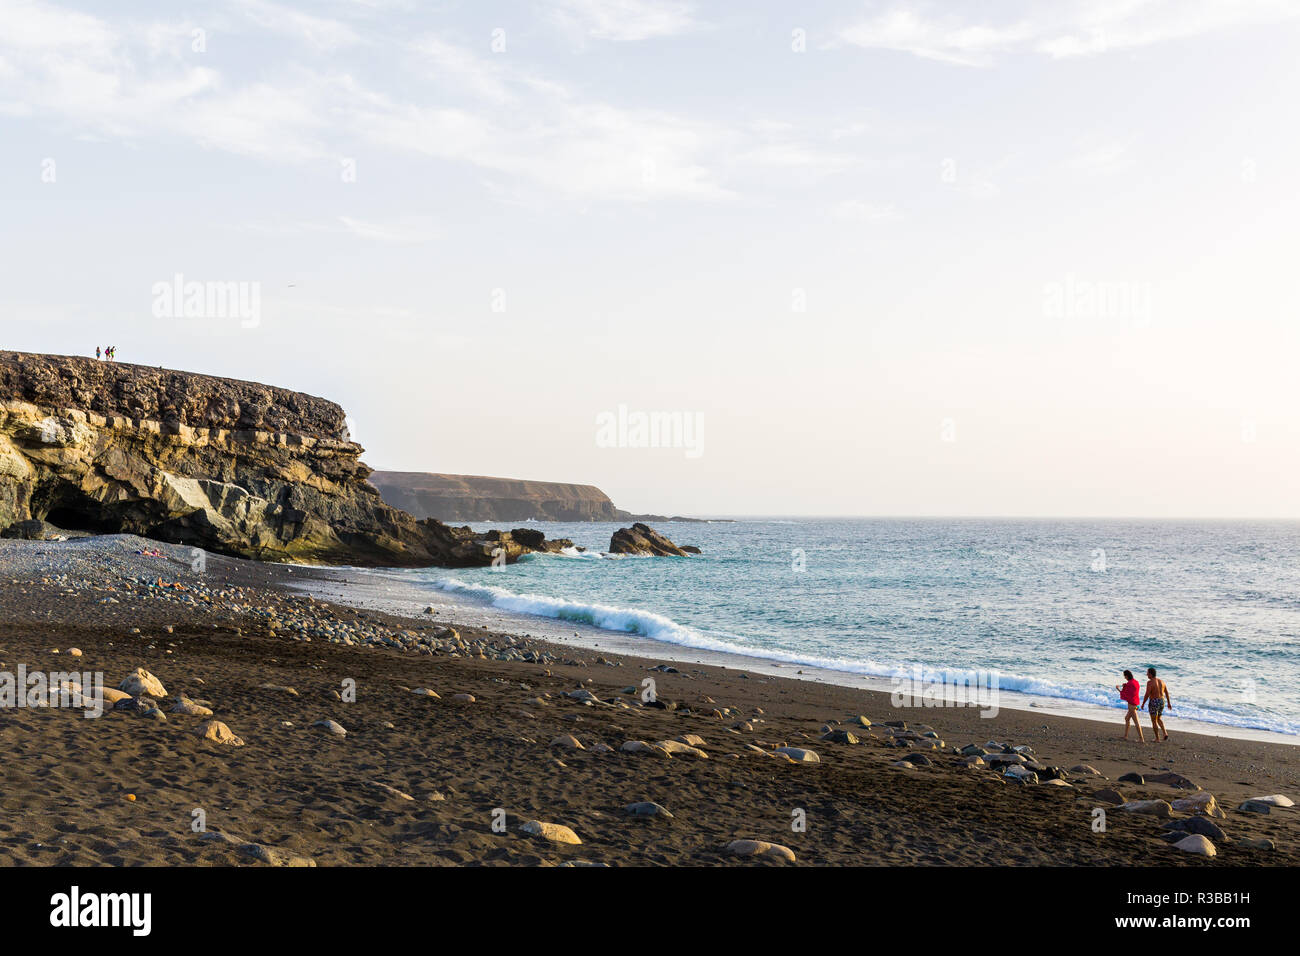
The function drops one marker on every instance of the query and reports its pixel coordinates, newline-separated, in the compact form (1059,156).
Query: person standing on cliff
(97,353)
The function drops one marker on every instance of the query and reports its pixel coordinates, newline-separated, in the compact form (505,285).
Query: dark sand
(311,795)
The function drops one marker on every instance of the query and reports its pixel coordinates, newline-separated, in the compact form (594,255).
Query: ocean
(1056,608)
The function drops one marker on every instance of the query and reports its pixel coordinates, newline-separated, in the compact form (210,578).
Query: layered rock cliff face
(232,467)
(477,498)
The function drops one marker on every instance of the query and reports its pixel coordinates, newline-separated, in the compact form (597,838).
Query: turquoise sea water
(1056,608)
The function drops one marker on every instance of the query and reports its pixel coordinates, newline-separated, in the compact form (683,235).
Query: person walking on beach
(1156,700)
(1130,693)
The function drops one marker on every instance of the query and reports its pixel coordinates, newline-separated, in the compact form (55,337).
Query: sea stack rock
(643,539)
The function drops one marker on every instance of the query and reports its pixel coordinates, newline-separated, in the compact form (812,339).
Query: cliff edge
(233,467)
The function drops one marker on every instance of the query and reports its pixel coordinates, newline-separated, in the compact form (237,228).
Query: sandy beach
(457,738)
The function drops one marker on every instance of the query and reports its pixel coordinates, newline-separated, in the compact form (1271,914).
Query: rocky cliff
(233,467)
(479,498)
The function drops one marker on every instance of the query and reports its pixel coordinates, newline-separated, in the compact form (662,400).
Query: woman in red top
(1131,694)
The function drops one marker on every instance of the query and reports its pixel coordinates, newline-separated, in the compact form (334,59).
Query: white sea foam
(657,627)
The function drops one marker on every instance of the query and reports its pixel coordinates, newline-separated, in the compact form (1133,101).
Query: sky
(885,258)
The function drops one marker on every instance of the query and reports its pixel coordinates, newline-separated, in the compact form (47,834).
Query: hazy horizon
(881,259)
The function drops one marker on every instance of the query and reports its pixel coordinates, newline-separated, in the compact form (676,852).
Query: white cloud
(402,231)
(1063,28)
(320,33)
(862,211)
(429,96)
(624,20)
(1101,160)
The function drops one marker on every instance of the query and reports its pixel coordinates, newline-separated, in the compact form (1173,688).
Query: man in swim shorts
(1156,699)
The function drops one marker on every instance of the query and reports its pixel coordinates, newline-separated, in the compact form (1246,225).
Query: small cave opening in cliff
(68,508)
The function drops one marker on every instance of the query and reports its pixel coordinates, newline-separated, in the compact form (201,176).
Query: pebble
(840,737)
(272,856)
(391,791)
(647,809)
(332,726)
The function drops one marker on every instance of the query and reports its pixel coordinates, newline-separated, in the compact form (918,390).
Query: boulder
(840,737)
(676,747)
(1152,808)
(1197,825)
(641,747)
(140,683)
(1196,843)
(332,727)
(1255,806)
(798,754)
(1113,797)
(1175,780)
(1136,778)
(647,809)
(188,708)
(554,832)
(1201,802)
(218,733)
(761,848)
(1274,800)
(1256,844)
(643,539)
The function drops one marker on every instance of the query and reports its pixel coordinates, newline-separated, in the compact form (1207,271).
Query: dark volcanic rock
(643,539)
(231,467)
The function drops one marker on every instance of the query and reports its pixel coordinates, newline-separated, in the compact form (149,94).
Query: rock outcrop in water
(232,467)
(643,539)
